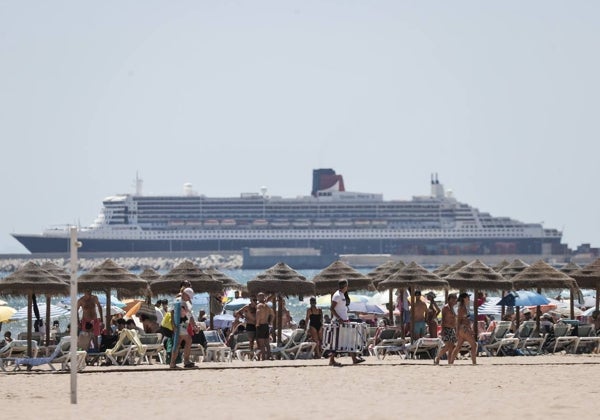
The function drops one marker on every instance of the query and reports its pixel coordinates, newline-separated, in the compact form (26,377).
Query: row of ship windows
(326,236)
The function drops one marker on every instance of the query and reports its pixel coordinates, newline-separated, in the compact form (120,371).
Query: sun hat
(189,291)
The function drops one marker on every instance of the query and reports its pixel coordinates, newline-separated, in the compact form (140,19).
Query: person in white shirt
(339,310)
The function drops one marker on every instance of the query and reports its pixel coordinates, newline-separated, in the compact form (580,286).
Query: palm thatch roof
(228,282)
(200,281)
(512,269)
(500,265)
(59,272)
(281,279)
(440,269)
(110,276)
(149,274)
(385,270)
(32,279)
(327,280)
(588,277)
(456,266)
(413,276)
(541,275)
(569,268)
(477,276)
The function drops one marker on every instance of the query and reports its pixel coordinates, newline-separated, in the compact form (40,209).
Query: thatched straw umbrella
(500,265)
(440,269)
(478,277)
(228,282)
(540,275)
(62,274)
(108,276)
(326,281)
(200,281)
(149,274)
(411,277)
(569,268)
(454,267)
(383,272)
(588,277)
(29,280)
(281,280)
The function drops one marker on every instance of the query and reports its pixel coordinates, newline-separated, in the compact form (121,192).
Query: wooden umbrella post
(572,303)
(47,320)
(108,306)
(412,313)
(391,306)
(279,318)
(29,316)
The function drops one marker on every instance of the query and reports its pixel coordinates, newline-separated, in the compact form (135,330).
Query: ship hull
(43,244)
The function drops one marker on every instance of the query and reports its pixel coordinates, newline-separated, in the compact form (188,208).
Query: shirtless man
(448,329)
(88,304)
(264,315)
(248,312)
(420,316)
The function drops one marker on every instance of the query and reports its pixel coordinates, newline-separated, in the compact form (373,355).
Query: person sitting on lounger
(7,339)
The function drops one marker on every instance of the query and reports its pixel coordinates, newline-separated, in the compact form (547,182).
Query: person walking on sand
(448,329)
(339,309)
(463,329)
(184,304)
(264,316)
(314,320)
(89,304)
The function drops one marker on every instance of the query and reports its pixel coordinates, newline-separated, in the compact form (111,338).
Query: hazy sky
(501,99)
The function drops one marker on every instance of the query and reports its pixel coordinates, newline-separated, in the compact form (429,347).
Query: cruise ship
(330,219)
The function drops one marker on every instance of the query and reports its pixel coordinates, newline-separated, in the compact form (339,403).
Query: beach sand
(561,386)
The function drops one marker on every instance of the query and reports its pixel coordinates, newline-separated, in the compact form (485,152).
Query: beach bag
(190,330)
(166,322)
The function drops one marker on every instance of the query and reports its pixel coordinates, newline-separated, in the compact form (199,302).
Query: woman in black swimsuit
(314,320)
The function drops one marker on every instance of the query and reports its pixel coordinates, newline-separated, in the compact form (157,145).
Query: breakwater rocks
(161,264)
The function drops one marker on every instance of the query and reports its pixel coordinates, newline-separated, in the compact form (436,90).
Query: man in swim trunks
(420,312)
(264,315)
(448,328)
(88,304)
(248,312)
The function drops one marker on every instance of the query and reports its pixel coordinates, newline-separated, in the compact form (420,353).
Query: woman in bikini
(314,320)
(464,331)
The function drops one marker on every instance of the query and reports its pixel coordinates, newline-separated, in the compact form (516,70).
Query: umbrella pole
(108,306)
(538,312)
(572,303)
(47,320)
(503,307)
(412,314)
(517,316)
(29,316)
(475,317)
(391,306)
(279,318)
(403,334)
(597,297)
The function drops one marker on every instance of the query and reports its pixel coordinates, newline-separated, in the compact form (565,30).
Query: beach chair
(216,349)
(588,342)
(530,342)
(563,341)
(129,349)
(295,347)
(499,343)
(241,349)
(424,346)
(390,344)
(154,347)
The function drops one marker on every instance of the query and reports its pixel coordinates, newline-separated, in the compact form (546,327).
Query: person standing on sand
(448,329)
(420,313)
(88,304)
(186,318)
(264,316)
(339,310)
(248,312)
(314,320)
(463,329)
(432,313)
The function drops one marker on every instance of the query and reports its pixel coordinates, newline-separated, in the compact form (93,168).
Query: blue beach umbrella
(523,298)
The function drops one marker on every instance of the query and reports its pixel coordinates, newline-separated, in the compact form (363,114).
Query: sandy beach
(558,386)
